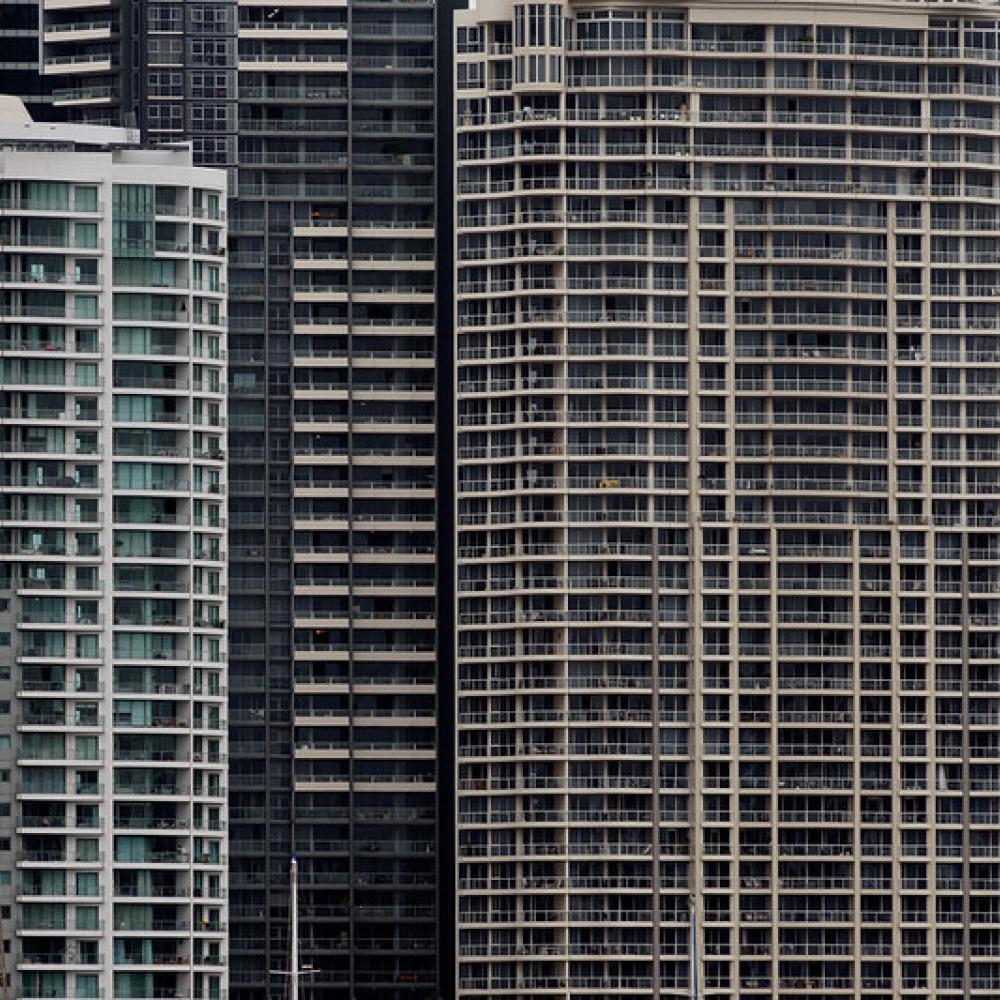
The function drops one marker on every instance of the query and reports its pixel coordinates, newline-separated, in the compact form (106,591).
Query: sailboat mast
(293,957)
(693,949)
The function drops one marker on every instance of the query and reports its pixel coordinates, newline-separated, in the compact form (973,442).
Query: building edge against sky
(728,449)
(112,531)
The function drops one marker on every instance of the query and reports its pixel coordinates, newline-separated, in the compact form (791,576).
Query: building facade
(165,67)
(728,361)
(331,447)
(112,566)
(20,45)
(332,567)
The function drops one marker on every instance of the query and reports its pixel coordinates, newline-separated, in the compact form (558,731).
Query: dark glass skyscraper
(19,45)
(332,519)
(168,68)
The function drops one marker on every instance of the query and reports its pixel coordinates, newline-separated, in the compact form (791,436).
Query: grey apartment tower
(333,516)
(168,69)
(331,520)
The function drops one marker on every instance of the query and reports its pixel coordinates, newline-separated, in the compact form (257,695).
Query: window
(85,307)
(85,199)
(470,75)
(165,17)
(616,29)
(536,24)
(87,884)
(46,195)
(86,986)
(85,270)
(206,52)
(211,150)
(86,647)
(163,115)
(86,849)
(209,117)
(470,39)
(87,817)
(86,341)
(85,234)
(166,83)
(166,51)
(209,19)
(208,84)
(144,271)
(132,215)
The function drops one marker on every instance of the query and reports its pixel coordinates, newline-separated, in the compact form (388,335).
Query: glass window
(85,199)
(87,884)
(47,195)
(536,24)
(85,234)
(555,25)
(86,341)
(86,849)
(85,271)
(86,647)
(86,307)
(86,986)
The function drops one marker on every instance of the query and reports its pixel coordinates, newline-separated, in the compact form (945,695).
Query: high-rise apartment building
(164,66)
(20,26)
(332,569)
(728,356)
(82,55)
(112,571)
(332,513)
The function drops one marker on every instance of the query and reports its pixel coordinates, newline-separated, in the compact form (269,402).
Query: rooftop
(19,130)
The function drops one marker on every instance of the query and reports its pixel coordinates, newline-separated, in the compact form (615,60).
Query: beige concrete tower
(728,342)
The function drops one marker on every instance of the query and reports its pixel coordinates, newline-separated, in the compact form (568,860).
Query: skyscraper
(165,67)
(330,335)
(332,511)
(112,521)
(20,46)
(728,337)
